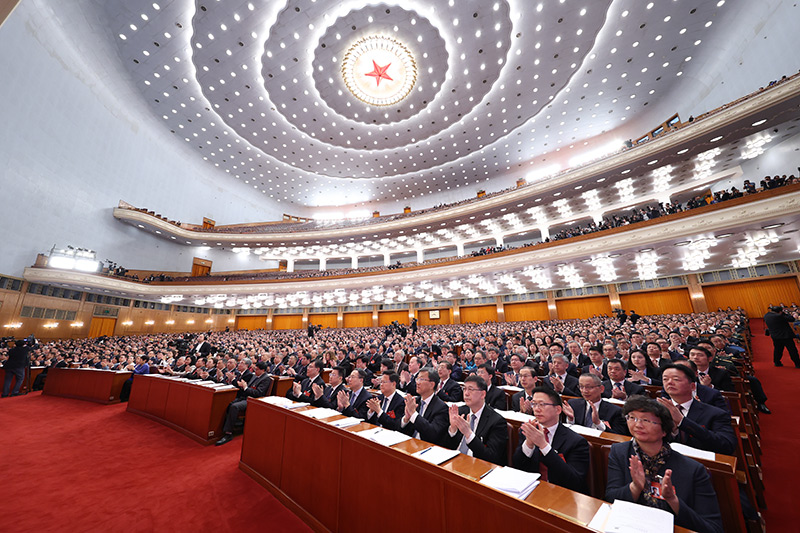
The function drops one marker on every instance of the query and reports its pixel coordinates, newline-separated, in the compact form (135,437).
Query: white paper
(225,387)
(513,482)
(692,452)
(280,401)
(515,415)
(615,401)
(583,430)
(598,522)
(457,404)
(510,388)
(346,422)
(627,517)
(320,412)
(383,436)
(436,454)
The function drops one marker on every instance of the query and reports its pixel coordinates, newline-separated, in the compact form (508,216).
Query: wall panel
(478,314)
(358,320)
(251,323)
(423,316)
(287,322)
(326,320)
(525,311)
(753,296)
(387,317)
(669,302)
(573,308)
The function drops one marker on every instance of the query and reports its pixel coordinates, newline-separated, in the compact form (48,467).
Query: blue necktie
(587,420)
(463,448)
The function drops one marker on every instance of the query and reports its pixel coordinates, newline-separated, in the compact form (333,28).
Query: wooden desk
(27,381)
(283,385)
(194,410)
(101,386)
(325,475)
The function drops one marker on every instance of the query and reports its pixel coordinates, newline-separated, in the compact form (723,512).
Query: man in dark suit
(427,419)
(779,328)
(521,401)
(408,377)
(708,374)
(559,380)
(597,363)
(705,394)
(449,389)
(387,409)
(326,396)
(499,365)
(495,397)
(476,429)
(616,386)
(258,387)
(698,425)
(559,454)
(302,391)
(592,411)
(202,348)
(18,360)
(354,403)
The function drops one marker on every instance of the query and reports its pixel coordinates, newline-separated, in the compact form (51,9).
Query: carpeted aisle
(70,465)
(780,433)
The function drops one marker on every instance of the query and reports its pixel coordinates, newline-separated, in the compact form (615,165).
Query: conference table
(101,386)
(196,409)
(336,480)
(27,380)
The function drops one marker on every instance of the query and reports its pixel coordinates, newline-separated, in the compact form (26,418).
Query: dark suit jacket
(608,413)
(570,385)
(491,437)
(629,387)
(258,387)
(699,509)
(567,462)
(779,325)
(391,418)
(451,392)
(496,398)
(328,398)
(516,399)
(306,392)
(432,426)
(585,370)
(707,428)
(358,408)
(501,367)
(411,386)
(205,348)
(721,379)
(714,397)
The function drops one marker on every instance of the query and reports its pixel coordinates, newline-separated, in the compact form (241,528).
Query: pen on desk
(426,450)
(487,473)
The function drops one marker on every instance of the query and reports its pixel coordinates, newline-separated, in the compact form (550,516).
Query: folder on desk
(386,437)
(516,483)
(346,422)
(627,517)
(320,412)
(511,388)
(436,454)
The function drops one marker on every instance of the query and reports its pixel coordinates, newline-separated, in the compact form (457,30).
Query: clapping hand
(411,408)
(637,375)
(568,411)
(534,434)
(705,379)
(317,391)
(558,385)
(374,405)
(343,400)
(296,389)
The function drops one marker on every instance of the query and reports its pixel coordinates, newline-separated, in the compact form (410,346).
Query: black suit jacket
(629,387)
(707,428)
(567,462)
(721,379)
(714,397)
(358,408)
(451,391)
(496,398)
(392,416)
(570,385)
(516,399)
(306,392)
(205,348)
(608,413)
(779,325)
(491,436)
(432,426)
(699,508)
(585,370)
(328,398)
(411,386)
(258,387)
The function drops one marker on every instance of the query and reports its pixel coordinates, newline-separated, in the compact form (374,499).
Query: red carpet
(70,465)
(780,433)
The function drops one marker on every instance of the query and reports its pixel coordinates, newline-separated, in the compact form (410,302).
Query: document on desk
(386,437)
(598,522)
(627,517)
(436,454)
(280,401)
(517,416)
(511,388)
(583,430)
(346,422)
(615,401)
(320,412)
(692,452)
(513,482)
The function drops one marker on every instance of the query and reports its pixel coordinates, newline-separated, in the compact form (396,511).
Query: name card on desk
(516,483)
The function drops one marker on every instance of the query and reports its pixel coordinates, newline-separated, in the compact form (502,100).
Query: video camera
(30,341)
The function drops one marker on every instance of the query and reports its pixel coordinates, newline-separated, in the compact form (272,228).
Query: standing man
(15,365)
(779,328)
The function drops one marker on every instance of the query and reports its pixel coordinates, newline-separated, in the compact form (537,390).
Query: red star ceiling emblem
(379,73)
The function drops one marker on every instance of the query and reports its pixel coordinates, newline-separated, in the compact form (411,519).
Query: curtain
(387,317)
(478,314)
(327,320)
(287,322)
(102,326)
(583,307)
(669,302)
(251,323)
(752,296)
(525,311)
(358,320)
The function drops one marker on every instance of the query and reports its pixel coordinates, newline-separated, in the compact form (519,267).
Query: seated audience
(476,429)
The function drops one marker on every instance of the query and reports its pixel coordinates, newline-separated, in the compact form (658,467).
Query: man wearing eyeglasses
(476,429)
(559,454)
(593,411)
(387,409)
(426,418)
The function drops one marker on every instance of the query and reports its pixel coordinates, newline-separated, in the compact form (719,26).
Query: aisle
(70,465)
(780,433)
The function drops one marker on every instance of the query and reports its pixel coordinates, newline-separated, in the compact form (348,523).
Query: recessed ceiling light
(717,138)
(773,226)
(760,122)
(722,235)
(682,243)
